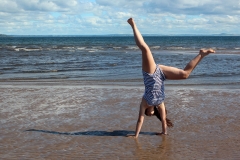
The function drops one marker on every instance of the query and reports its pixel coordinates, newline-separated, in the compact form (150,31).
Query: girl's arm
(139,121)
(161,110)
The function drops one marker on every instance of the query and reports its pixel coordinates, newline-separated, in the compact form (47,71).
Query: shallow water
(77,121)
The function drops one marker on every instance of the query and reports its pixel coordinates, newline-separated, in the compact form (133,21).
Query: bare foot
(131,21)
(205,52)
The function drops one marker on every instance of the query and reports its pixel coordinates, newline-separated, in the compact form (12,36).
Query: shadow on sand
(93,133)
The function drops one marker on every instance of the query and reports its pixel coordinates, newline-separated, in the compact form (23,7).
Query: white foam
(178,48)
(132,47)
(221,48)
(116,47)
(32,49)
(70,48)
(27,49)
(81,48)
(155,47)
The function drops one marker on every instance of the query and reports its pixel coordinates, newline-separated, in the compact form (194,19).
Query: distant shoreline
(3,35)
(125,35)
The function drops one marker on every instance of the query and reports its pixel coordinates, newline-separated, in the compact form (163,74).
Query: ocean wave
(219,48)
(116,47)
(97,47)
(81,48)
(7,68)
(106,47)
(26,49)
(39,71)
(205,84)
(131,47)
(18,64)
(155,47)
(68,48)
(178,48)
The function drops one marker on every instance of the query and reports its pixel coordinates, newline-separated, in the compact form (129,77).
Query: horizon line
(82,35)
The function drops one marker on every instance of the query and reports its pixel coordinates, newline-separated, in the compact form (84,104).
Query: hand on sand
(161,134)
(131,135)
(205,52)
(131,21)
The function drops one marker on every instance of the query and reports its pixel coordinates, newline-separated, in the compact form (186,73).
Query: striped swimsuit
(154,87)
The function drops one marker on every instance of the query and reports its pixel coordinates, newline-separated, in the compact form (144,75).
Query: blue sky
(100,17)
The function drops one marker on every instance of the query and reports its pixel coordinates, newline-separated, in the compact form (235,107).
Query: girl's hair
(157,114)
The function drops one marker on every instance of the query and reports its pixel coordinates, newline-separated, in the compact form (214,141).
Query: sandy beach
(71,121)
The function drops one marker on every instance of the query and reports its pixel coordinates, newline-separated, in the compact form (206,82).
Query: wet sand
(58,121)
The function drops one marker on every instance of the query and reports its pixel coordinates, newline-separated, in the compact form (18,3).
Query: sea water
(116,58)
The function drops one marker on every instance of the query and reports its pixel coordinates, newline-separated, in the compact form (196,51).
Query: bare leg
(175,73)
(148,63)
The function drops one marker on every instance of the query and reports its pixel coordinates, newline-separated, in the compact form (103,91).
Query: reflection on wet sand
(160,150)
(68,122)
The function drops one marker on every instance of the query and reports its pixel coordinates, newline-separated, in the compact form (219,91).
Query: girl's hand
(130,21)
(161,133)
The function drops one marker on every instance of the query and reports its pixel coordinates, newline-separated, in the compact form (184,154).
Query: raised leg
(175,73)
(148,63)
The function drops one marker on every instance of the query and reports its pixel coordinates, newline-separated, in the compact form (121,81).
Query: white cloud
(177,6)
(8,6)
(108,17)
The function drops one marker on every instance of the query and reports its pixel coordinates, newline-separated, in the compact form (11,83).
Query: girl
(154,76)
